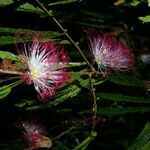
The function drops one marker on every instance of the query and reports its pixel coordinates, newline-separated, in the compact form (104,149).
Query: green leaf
(59,98)
(148,3)
(62,2)
(146,146)
(7,30)
(126,80)
(135,2)
(4,91)
(65,94)
(111,112)
(122,98)
(11,40)
(7,40)
(86,142)
(145,19)
(85,82)
(142,141)
(43,36)
(63,42)
(24,103)
(13,30)
(5,2)
(64,110)
(100,25)
(96,15)
(30,8)
(121,111)
(7,55)
(21,31)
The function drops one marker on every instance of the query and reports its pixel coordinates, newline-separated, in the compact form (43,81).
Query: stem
(74,64)
(85,72)
(15,83)
(8,79)
(94,103)
(68,36)
(11,72)
(64,132)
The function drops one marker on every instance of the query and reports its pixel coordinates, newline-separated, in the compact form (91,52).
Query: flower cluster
(109,53)
(47,67)
(47,61)
(35,135)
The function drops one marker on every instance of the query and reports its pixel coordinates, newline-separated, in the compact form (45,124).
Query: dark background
(115,133)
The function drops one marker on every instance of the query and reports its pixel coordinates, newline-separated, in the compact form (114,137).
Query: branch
(11,72)
(68,36)
(94,103)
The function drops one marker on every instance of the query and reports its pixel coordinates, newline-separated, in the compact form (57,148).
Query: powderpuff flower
(35,135)
(109,53)
(46,67)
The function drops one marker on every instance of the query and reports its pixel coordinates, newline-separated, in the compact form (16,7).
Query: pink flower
(47,67)
(109,53)
(35,135)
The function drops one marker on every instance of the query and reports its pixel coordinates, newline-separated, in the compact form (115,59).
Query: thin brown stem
(68,36)
(11,72)
(94,104)
(64,133)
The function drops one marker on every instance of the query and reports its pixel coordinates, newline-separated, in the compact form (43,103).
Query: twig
(68,36)
(9,78)
(15,83)
(64,132)
(94,103)
(11,72)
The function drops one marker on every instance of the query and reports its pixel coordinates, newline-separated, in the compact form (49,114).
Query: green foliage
(63,2)
(8,40)
(7,55)
(72,104)
(148,2)
(135,2)
(29,35)
(25,103)
(94,19)
(4,91)
(86,142)
(64,95)
(146,146)
(27,7)
(96,15)
(60,97)
(127,80)
(145,19)
(28,32)
(117,111)
(59,145)
(143,140)
(122,98)
(132,3)
(5,2)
